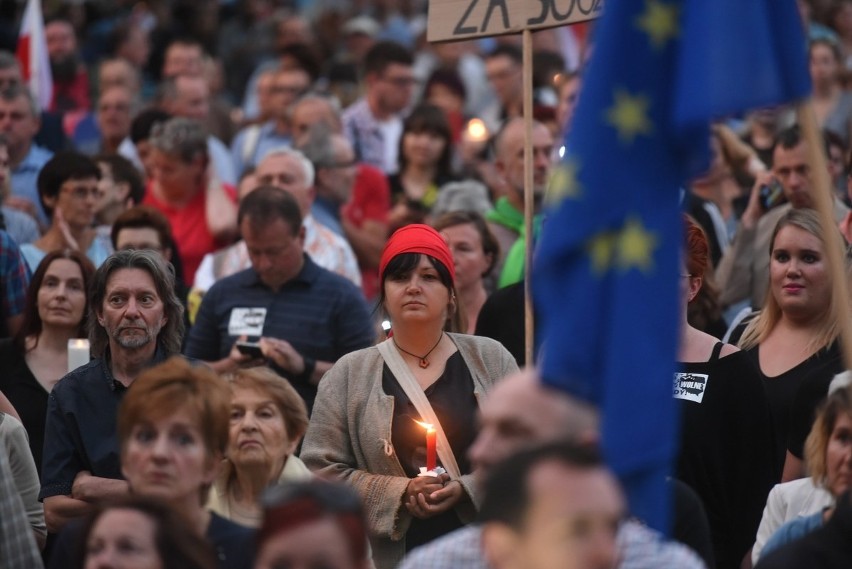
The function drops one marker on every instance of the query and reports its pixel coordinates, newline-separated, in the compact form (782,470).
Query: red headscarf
(418,238)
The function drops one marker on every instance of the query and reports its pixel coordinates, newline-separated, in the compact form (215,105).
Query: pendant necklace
(424,363)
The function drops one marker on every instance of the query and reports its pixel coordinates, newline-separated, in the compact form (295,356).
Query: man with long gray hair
(136,321)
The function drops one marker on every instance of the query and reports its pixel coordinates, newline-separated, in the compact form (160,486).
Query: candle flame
(427,426)
(476,130)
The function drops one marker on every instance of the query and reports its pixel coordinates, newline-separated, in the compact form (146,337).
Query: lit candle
(431,448)
(476,131)
(78,353)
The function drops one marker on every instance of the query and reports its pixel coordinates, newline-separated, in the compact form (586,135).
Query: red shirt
(189,228)
(370,201)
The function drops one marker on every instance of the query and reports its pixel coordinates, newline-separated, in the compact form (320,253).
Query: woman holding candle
(365,424)
(37,356)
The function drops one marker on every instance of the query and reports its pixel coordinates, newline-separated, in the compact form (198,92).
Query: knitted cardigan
(349,437)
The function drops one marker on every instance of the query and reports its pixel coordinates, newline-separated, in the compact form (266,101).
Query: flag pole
(823,198)
(529,324)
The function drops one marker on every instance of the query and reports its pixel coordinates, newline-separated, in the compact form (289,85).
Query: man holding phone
(285,311)
(743,272)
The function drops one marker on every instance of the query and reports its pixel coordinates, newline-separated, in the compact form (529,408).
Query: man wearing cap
(301,317)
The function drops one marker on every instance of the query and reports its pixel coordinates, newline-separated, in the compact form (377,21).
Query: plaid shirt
(18,548)
(14,277)
(640,547)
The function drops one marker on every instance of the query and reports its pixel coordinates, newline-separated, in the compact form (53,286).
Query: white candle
(78,353)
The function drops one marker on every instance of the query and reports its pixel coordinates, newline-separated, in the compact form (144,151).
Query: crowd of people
(291,237)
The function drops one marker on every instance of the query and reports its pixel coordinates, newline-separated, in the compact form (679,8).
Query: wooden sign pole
(454,20)
(529,205)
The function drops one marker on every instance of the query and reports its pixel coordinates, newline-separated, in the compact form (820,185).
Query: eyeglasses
(686,275)
(82,192)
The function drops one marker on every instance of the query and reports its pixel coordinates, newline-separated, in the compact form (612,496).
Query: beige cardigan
(217,500)
(349,436)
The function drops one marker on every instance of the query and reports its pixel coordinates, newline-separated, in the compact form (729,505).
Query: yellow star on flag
(660,22)
(636,246)
(601,250)
(564,183)
(629,116)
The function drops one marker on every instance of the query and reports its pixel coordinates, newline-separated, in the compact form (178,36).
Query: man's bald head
(520,413)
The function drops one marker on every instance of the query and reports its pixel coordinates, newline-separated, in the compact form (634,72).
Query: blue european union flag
(605,273)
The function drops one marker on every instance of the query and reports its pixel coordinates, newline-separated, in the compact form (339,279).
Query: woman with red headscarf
(373,407)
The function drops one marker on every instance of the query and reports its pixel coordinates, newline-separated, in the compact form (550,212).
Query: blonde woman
(793,340)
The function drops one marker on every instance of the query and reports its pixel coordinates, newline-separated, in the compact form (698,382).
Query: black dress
(727,448)
(454,403)
(26,394)
(782,390)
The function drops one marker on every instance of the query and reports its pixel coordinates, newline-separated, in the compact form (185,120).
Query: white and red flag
(32,54)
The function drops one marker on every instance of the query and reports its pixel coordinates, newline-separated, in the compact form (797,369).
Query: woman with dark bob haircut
(425,164)
(144,532)
(377,407)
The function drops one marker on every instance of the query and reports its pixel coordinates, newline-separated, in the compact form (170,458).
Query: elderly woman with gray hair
(200,208)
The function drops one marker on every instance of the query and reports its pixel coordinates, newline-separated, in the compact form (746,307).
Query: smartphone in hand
(771,194)
(250,349)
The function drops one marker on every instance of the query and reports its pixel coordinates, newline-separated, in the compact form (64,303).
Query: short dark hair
(507,493)
(178,546)
(32,324)
(385,53)
(63,166)
(144,123)
(124,172)
(791,137)
(143,216)
(449,78)
(305,57)
(268,203)
(788,138)
(513,52)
